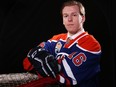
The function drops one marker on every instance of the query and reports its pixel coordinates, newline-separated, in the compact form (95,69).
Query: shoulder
(89,43)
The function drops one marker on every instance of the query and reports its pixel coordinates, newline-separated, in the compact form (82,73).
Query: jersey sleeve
(89,43)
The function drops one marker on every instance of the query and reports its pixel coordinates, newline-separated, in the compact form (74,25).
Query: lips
(70,24)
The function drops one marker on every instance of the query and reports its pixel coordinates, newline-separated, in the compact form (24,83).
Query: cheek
(77,22)
(64,21)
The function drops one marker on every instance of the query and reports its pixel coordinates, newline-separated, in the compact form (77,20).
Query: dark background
(26,23)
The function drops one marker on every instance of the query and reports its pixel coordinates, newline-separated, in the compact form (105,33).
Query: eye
(74,14)
(65,16)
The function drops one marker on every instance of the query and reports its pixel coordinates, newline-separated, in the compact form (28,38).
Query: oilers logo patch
(58,47)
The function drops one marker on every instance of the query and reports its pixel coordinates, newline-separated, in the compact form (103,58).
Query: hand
(44,63)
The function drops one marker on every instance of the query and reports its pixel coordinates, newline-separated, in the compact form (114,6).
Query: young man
(77,52)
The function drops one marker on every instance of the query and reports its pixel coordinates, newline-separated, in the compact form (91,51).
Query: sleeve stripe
(97,52)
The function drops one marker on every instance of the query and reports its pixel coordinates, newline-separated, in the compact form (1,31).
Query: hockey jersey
(79,57)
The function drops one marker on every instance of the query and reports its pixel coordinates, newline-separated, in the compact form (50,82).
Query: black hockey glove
(44,63)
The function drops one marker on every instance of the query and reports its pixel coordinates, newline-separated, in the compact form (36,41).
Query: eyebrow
(71,13)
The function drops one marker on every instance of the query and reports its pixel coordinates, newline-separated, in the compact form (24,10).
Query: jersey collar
(75,35)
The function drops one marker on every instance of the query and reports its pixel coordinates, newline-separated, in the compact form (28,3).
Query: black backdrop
(26,23)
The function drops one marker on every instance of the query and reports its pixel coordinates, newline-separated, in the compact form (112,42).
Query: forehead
(69,9)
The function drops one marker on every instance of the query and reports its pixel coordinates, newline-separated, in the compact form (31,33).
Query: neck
(80,30)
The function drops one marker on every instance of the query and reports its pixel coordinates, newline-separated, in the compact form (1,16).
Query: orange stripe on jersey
(88,42)
(59,36)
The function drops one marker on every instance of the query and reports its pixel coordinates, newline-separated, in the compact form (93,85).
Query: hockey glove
(44,63)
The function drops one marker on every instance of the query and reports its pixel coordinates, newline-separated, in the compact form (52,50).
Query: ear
(63,22)
(83,19)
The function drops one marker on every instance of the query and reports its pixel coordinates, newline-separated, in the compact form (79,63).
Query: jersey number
(79,59)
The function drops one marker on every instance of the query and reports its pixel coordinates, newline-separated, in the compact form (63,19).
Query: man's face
(72,19)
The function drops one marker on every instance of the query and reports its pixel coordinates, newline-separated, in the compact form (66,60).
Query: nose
(69,18)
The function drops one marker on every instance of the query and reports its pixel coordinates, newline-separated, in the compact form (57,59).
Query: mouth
(70,24)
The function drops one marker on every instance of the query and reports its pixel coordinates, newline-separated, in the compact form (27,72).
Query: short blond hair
(74,2)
